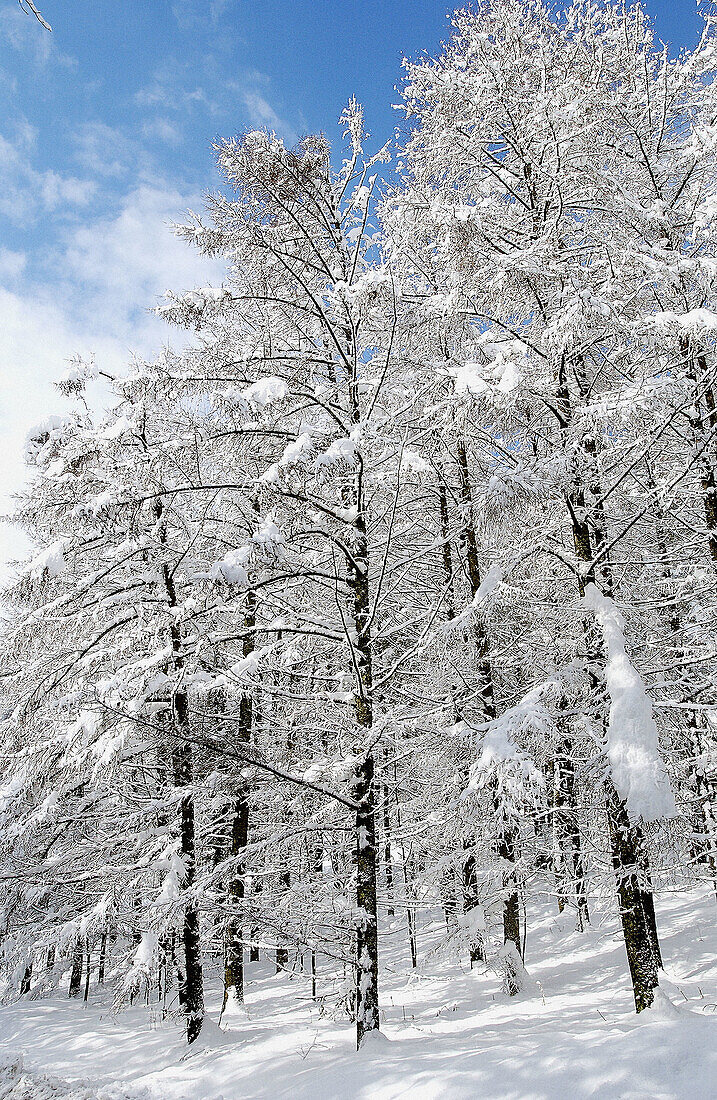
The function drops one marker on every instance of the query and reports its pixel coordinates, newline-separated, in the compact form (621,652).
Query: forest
(371,623)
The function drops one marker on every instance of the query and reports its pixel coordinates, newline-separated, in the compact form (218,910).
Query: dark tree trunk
(282,950)
(234,945)
(470,541)
(505,842)
(26,980)
(470,901)
(448,896)
(234,937)
(193,982)
(387,862)
(703,842)
(469,878)
(254,931)
(367,929)
(511,903)
(410,908)
(103,959)
(76,972)
(87,975)
(191,985)
(364,794)
(637,912)
(702,428)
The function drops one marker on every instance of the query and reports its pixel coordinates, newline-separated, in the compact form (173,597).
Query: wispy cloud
(262,114)
(26,191)
(174,89)
(122,262)
(162,129)
(23,34)
(167,91)
(189,13)
(103,150)
(12,263)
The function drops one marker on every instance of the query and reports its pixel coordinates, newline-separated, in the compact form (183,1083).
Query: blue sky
(105,137)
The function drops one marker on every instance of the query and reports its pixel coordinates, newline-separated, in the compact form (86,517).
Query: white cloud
(26,191)
(36,338)
(114,270)
(218,7)
(103,150)
(162,129)
(57,190)
(174,89)
(123,262)
(12,263)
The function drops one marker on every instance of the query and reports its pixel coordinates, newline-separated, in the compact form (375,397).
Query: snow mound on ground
(19,1083)
(211,1037)
(662,1008)
(233,1013)
(669,1044)
(373,1044)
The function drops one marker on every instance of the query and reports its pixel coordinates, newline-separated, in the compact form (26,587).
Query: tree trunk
(470,541)
(448,897)
(257,888)
(103,958)
(191,991)
(26,980)
(366,922)
(469,878)
(193,982)
(470,901)
(511,903)
(567,832)
(387,860)
(234,934)
(234,943)
(629,856)
(704,848)
(506,841)
(367,1017)
(282,950)
(696,372)
(87,975)
(76,972)
(637,912)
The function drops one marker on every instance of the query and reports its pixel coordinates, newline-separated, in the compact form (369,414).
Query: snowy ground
(449,1032)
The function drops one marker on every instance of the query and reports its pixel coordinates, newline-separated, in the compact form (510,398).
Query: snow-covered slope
(449,1032)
